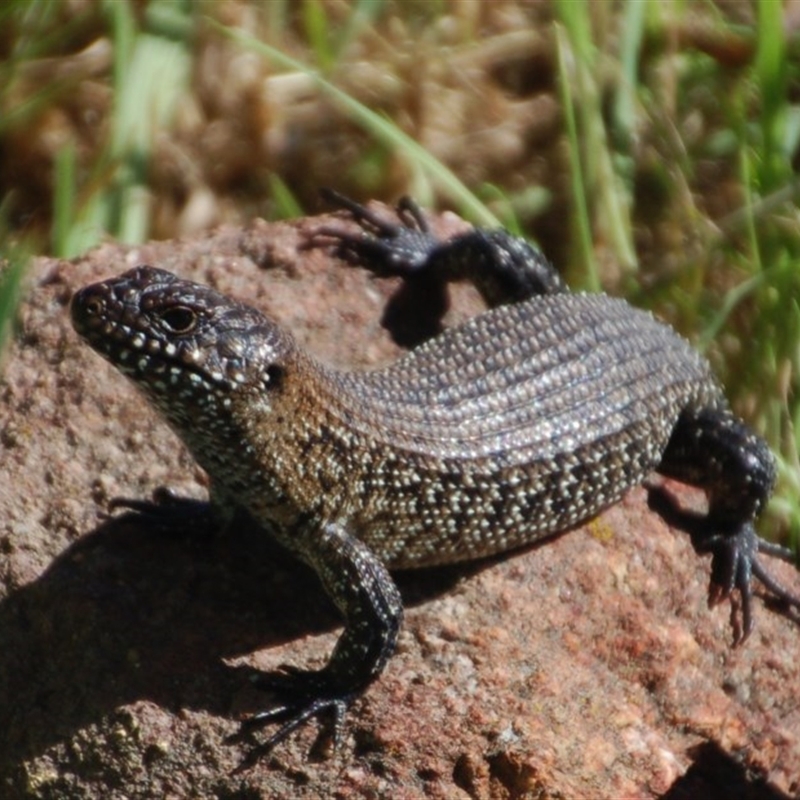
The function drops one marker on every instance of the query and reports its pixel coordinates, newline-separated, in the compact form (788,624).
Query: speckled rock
(586,667)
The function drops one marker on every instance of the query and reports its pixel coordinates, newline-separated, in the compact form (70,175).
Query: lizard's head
(189,347)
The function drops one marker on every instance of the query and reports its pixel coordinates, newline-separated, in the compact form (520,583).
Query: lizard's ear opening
(275,376)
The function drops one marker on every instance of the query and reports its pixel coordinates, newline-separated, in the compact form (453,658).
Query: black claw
(411,215)
(775,587)
(734,564)
(724,566)
(741,635)
(367,219)
(164,502)
(777,551)
(259,751)
(294,717)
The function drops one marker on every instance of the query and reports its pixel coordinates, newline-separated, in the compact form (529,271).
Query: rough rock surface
(587,667)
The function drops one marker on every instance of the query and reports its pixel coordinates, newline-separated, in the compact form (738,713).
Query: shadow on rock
(126,614)
(717,775)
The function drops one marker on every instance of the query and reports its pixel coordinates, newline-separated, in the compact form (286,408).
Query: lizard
(518,424)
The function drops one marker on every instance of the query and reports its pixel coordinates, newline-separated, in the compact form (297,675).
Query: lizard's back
(530,381)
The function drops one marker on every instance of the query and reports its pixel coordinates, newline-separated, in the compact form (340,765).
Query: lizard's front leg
(365,593)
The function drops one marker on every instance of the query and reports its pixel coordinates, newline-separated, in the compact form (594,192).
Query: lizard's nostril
(93,307)
(86,307)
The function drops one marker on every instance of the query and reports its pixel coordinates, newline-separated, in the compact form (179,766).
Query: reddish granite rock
(586,667)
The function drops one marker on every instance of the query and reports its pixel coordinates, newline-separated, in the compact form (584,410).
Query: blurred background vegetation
(650,148)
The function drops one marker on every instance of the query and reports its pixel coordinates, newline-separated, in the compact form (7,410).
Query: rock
(588,666)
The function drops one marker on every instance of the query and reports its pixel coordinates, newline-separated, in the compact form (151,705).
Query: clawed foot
(405,249)
(168,512)
(386,248)
(301,694)
(734,563)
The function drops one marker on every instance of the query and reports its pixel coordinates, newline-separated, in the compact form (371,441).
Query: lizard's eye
(179,319)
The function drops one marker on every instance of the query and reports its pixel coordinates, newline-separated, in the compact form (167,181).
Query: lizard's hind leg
(714,450)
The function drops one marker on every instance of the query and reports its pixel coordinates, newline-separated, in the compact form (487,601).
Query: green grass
(12,272)
(150,72)
(599,172)
(677,185)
